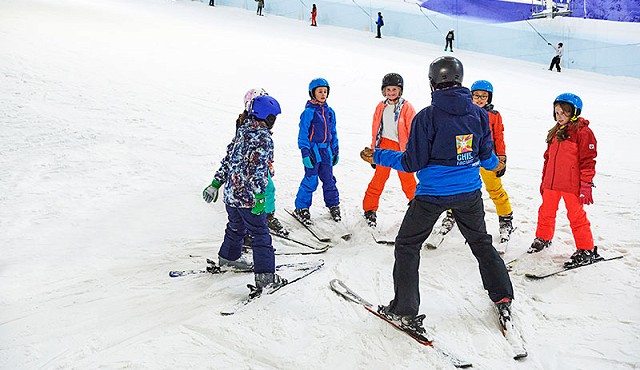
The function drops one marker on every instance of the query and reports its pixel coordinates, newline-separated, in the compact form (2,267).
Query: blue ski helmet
(265,106)
(483,85)
(572,99)
(317,82)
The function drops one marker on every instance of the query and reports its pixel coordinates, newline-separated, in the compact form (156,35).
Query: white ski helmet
(252,94)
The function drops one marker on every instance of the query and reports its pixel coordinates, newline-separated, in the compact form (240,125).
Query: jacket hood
(455,100)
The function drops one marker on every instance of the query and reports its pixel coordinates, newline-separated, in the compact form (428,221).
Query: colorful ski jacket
(497,130)
(317,131)
(448,142)
(570,161)
(249,157)
(403,117)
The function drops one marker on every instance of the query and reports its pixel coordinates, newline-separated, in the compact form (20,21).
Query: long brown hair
(560,131)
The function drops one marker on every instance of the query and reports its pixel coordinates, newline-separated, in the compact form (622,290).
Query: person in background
(379,23)
(260,6)
(556,59)
(568,171)
(211,3)
(449,141)
(389,130)
(314,14)
(449,40)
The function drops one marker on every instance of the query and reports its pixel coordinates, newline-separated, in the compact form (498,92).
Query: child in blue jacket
(318,143)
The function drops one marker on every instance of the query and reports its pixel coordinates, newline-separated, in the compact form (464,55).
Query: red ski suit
(566,164)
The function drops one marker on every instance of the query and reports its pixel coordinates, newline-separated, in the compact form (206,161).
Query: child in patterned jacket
(248,162)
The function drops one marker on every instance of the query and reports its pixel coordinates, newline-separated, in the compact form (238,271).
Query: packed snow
(114,117)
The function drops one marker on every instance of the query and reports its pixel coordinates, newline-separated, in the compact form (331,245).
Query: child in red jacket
(569,168)
(390,130)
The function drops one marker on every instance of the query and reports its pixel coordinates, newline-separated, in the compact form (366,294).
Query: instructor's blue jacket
(449,140)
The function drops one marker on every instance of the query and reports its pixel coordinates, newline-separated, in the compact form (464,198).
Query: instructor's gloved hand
(502,159)
(367,155)
(306,161)
(335,160)
(585,192)
(210,193)
(261,204)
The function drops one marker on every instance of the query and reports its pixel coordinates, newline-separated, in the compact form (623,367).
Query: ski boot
(409,323)
(371,218)
(241,264)
(582,257)
(504,313)
(266,280)
(538,245)
(275,226)
(335,213)
(303,215)
(506,227)
(447,223)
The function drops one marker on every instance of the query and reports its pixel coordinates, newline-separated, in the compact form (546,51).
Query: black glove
(373,165)
(502,158)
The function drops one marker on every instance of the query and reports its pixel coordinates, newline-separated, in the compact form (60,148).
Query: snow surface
(114,117)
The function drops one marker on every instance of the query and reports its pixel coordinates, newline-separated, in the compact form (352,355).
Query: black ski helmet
(392,79)
(445,72)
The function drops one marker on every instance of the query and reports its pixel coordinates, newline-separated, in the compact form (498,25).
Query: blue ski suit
(318,141)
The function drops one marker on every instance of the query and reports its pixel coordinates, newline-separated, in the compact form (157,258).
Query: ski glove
(335,160)
(306,161)
(210,193)
(261,204)
(585,192)
(502,159)
(501,165)
(367,155)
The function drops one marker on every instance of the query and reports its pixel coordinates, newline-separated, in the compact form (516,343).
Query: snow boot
(371,218)
(303,215)
(447,223)
(275,225)
(538,245)
(335,213)
(582,257)
(240,264)
(506,227)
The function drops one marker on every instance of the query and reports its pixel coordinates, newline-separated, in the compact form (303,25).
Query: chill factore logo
(464,148)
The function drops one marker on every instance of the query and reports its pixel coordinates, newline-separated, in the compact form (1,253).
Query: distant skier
(449,141)
(244,195)
(260,7)
(210,193)
(211,3)
(390,130)
(318,143)
(556,59)
(379,24)
(568,171)
(314,14)
(449,40)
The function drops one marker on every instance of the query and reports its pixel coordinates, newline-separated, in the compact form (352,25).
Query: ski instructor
(449,141)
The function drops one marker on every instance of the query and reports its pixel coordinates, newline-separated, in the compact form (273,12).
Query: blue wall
(592,45)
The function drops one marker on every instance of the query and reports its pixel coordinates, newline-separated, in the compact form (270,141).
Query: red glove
(585,192)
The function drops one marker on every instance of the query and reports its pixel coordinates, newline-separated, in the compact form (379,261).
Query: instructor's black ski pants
(416,227)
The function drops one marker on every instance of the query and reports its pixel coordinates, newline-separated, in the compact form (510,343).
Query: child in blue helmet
(211,192)
(249,159)
(318,143)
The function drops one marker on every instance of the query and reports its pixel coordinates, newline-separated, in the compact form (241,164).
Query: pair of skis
(514,339)
(338,229)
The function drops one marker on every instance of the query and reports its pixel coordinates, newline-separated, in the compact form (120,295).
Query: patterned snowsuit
(248,161)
